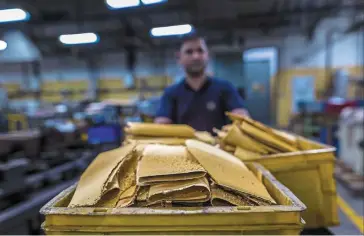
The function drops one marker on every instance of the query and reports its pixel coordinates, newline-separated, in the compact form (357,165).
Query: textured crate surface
(309,175)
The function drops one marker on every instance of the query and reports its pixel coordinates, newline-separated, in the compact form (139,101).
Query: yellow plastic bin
(309,174)
(284,218)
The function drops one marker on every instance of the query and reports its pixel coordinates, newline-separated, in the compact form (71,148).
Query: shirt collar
(203,88)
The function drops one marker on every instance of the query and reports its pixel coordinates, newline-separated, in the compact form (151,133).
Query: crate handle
(243,208)
(101,210)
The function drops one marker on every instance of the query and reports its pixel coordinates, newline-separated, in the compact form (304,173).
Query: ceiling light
(171,30)
(83,38)
(122,3)
(15,14)
(147,2)
(3,45)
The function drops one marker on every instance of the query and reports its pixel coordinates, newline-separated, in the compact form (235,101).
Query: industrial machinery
(39,162)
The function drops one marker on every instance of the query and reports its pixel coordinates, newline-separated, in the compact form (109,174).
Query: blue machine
(105,126)
(104,134)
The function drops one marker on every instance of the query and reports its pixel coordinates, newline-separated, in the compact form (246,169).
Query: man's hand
(241,111)
(162,120)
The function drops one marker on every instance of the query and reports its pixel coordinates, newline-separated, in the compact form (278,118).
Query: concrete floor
(356,204)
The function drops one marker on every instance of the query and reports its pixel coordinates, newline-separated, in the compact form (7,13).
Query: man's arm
(241,111)
(164,114)
(234,102)
(162,120)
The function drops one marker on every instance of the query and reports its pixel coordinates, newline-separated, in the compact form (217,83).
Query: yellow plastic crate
(309,174)
(284,218)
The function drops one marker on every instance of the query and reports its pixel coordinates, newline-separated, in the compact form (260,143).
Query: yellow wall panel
(152,94)
(284,95)
(11,87)
(170,80)
(51,85)
(358,73)
(128,95)
(157,81)
(109,83)
(78,97)
(25,96)
(154,81)
(57,98)
(58,86)
(52,98)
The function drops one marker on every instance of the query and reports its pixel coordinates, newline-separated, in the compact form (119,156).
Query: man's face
(194,56)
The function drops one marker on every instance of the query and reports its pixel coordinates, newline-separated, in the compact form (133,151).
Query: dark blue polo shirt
(203,109)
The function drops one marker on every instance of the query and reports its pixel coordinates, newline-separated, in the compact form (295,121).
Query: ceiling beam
(315,20)
(178,7)
(357,24)
(115,14)
(296,12)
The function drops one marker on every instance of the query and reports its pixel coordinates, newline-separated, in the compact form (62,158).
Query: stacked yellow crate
(305,167)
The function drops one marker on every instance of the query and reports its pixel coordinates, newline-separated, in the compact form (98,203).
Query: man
(198,100)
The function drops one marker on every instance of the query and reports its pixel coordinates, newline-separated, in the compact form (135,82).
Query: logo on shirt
(211,106)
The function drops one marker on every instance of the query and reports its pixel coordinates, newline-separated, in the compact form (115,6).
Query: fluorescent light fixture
(14,14)
(147,2)
(83,38)
(122,3)
(171,30)
(3,45)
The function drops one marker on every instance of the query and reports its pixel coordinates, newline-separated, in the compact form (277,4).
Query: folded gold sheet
(159,130)
(128,182)
(289,138)
(159,140)
(127,198)
(94,180)
(162,163)
(277,134)
(227,170)
(267,138)
(205,137)
(112,182)
(246,155)
(142,200)
(226,128)
(221,197)
(258,201)
(193,190)
(125,194)
(152,205)
(136,137)
(235,137)
(143,193)
(228,148)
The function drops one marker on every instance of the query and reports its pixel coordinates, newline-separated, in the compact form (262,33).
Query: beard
(196,70)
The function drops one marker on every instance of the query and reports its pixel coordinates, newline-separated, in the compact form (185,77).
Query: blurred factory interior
(72,73)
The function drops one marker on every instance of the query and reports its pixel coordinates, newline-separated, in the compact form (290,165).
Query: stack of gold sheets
(148,133)
(159,175)
(250,140)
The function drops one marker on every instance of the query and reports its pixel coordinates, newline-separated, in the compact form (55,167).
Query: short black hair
(190,37)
